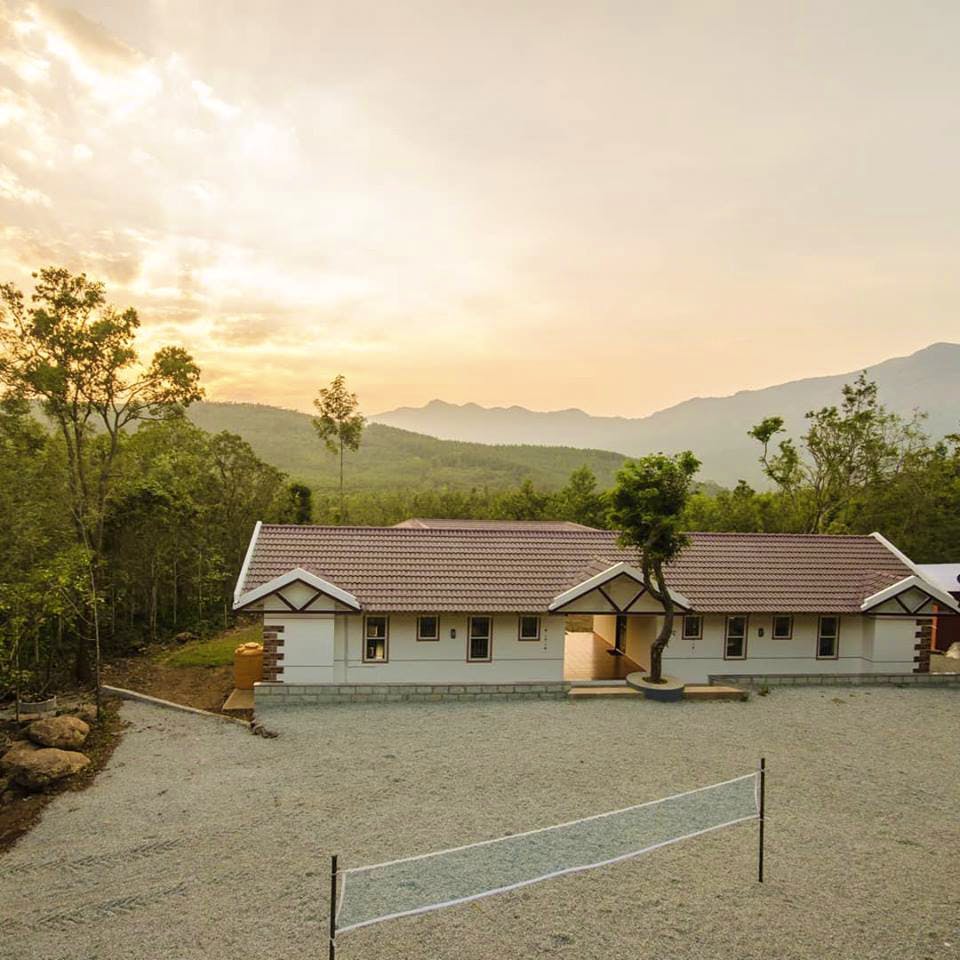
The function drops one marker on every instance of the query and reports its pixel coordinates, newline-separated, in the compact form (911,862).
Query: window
(529,628)
(692,627)
(428,628)
(735,645)
(782,626)
(478,639)
(828,637)
(375,640)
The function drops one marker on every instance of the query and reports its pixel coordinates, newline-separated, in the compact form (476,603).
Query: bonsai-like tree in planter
(647,505)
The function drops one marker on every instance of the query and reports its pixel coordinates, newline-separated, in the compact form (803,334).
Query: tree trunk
(663,637)
(342,518)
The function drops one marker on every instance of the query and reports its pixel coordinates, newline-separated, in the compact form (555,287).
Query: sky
(613,206)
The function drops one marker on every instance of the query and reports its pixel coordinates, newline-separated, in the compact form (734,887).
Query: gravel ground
(200,840)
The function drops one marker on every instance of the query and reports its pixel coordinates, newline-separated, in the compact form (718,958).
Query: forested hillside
(392,459)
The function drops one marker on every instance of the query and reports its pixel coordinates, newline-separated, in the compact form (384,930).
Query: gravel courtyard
(200,840)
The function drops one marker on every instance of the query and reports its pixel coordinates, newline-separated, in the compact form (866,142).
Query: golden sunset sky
(613,205)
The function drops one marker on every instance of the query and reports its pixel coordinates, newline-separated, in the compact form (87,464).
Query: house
(436,608)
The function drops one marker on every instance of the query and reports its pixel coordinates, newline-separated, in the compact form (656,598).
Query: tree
(338,425)
(296,504)
(846,448)
(525,502)
(75,355)
(648,502)
(581,502)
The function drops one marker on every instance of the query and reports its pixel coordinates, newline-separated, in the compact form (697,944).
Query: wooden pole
(333,907)
(763,784)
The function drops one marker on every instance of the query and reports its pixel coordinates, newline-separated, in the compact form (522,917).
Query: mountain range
(715,428)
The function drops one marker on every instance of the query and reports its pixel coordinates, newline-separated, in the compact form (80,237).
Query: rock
(953,651)
(39,769)
(186,636)
(87,712)
(64,733)
(10,761)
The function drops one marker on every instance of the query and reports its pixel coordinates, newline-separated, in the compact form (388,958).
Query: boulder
(953,651)
(10,761)
(64,733)
(39,769)
(87,712)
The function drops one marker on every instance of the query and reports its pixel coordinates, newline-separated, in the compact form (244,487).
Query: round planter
(38,706)
(668,692)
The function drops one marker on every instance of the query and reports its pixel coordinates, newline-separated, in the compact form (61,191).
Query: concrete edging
(125,694)
(837,679)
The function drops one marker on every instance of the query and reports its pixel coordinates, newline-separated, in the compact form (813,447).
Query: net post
(763,784)
(333,907)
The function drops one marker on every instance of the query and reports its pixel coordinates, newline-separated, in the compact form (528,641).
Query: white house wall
(306,658)
(892,644)
(308,647)
(866,645)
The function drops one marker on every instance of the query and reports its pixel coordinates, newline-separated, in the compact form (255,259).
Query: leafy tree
(338,425)
(647,507)
(74,354)
(581,501)
(845,449)
(297,504)
(525,502)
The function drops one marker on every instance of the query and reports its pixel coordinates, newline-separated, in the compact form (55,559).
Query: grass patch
(215,652)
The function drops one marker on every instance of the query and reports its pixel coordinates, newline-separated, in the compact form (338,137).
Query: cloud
(11,188)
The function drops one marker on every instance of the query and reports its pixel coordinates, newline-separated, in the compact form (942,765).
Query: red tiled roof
(523,569)
(436,523)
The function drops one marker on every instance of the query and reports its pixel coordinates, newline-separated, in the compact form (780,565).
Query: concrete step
(714,692)
(239,701)
(585,693)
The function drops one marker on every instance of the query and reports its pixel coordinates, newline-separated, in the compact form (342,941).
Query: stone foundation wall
(839,679)
(297,694)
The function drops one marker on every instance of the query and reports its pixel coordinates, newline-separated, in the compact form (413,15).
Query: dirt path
(203,687)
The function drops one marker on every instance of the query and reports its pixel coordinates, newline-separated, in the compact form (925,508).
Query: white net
(432,881)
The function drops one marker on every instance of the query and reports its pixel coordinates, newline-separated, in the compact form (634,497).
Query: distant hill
(715,428)
(390,459)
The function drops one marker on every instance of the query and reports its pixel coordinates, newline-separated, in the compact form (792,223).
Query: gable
(618,589)
(911,597)
(298,591)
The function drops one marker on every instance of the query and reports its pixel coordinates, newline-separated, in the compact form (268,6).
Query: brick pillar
(921,649)
(272,652)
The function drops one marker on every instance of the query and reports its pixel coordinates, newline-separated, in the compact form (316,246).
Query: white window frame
(420,637)
(743,640)
(489,638)
(836,637)
(386,638)
(692,636)
(520,636)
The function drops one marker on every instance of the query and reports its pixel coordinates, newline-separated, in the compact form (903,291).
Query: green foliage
(648,503)
(338,425)
(581,501)
(845,449)
(296,504)
(647,507)
(859,469)
(391,460)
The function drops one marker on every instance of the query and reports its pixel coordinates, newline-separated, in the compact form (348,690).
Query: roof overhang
(600,580)
(297,575)
(904,594)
